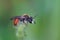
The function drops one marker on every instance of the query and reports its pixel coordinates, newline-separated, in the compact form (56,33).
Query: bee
(24,18)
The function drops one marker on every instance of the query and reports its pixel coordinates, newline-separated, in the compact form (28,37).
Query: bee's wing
(15,17)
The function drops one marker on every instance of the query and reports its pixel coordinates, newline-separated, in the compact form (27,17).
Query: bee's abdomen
(16,21)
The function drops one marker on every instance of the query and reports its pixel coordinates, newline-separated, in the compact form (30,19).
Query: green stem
(20,32)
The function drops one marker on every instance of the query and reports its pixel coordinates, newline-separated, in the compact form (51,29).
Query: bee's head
(31,20)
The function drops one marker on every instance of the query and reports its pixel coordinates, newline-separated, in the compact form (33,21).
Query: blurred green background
(47,25)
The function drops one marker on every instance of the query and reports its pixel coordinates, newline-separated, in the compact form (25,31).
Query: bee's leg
(25,22)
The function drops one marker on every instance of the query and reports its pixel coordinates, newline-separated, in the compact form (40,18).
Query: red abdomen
(16,21)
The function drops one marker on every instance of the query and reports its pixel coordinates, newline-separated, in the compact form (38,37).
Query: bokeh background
(47,25)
